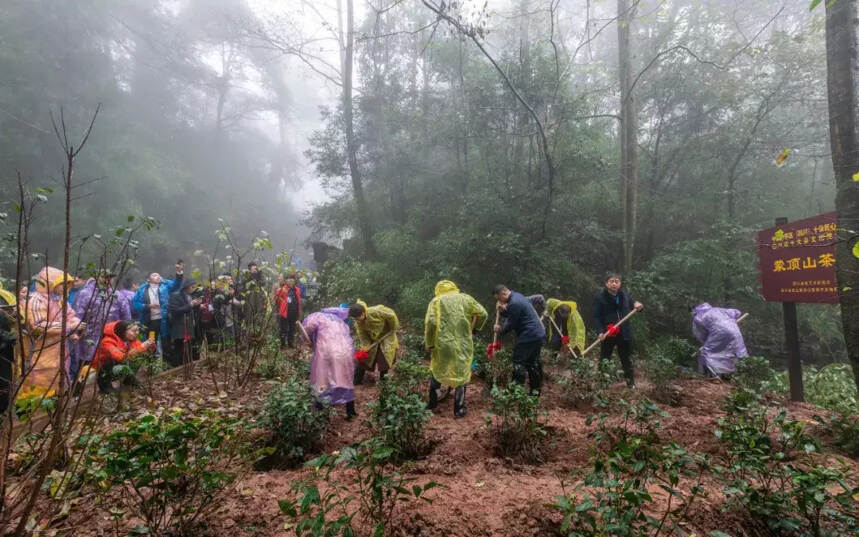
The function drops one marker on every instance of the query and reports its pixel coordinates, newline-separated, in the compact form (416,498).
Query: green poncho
(447,331)
(575,324)
(378,322)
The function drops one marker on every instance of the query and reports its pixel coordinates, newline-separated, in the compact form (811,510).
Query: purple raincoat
(97,307)
(721,339)
(332,367)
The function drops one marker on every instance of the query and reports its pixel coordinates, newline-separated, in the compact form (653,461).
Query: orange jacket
(280,297)
(113,347)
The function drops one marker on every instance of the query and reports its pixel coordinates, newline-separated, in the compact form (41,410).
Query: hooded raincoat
(96,307)
(721,339)
(379,321)
(575,324)
(332,367)
(44,337)
(447,331)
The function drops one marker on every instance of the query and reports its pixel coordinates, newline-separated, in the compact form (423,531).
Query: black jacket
(521,317)
(610,309)
(181,315)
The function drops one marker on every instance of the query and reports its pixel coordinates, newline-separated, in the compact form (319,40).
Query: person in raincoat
(151,303)
(450,320)
(96,303)
(376,328)
(720,337)
(332,366)
(565,314)
(45,336)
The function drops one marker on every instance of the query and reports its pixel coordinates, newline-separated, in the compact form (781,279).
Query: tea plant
(515,420)
(772,476)
(399,417)
(664,360)
(296,428)
(380,490)
(585,382)
(755,373)
(169,468)
(495,371)
(615,497)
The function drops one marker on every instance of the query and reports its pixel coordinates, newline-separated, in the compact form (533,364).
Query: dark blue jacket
(611,309)
(521,317)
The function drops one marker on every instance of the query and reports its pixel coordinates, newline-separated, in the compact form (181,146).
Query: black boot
(459,410)
(359,374)
(434,387)
(350,410)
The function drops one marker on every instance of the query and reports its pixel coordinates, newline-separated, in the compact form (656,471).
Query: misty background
(232,109)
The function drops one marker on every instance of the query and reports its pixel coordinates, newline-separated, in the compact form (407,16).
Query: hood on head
(49,278)
(445,286)
(340,313)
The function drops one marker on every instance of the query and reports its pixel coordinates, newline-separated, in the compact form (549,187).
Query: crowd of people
(103,326)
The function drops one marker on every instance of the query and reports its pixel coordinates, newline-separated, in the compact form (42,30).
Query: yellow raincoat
(447,331)
(378,321)
(44,333)
(575,324)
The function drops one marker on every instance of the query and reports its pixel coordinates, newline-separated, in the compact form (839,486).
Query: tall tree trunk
(351,148)
(628,134)
(842,67)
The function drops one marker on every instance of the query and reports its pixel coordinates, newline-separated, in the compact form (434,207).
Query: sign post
(797,263)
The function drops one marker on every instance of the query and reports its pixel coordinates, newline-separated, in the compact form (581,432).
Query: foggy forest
(429,268)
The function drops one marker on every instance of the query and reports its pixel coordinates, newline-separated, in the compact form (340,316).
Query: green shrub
(772,476)
(515,419)
(846,429)
(585,382)
(615,497)
(274,366)
(495,371)
(296,428)
(755,373)
(380,490)
(399,417)
(832,387)
(410,375)
(170,468)
(661,366)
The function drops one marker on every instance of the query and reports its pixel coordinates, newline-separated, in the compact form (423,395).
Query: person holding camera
(181,308)
(151,302)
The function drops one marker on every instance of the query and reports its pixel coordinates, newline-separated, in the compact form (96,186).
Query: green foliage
(832,387)
(754,373)
(846,429)
(495,371)
(772,476)
(296,428)
(615,498)
(399,417)
(274,366)
(515,418)
(409,375)
(662,361)
(585,382)
(170,468)
(380,490)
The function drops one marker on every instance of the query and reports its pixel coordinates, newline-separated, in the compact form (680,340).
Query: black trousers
(287,331)
(526,361)
(459,409)
(379,362)
(176,356)
(624,349)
